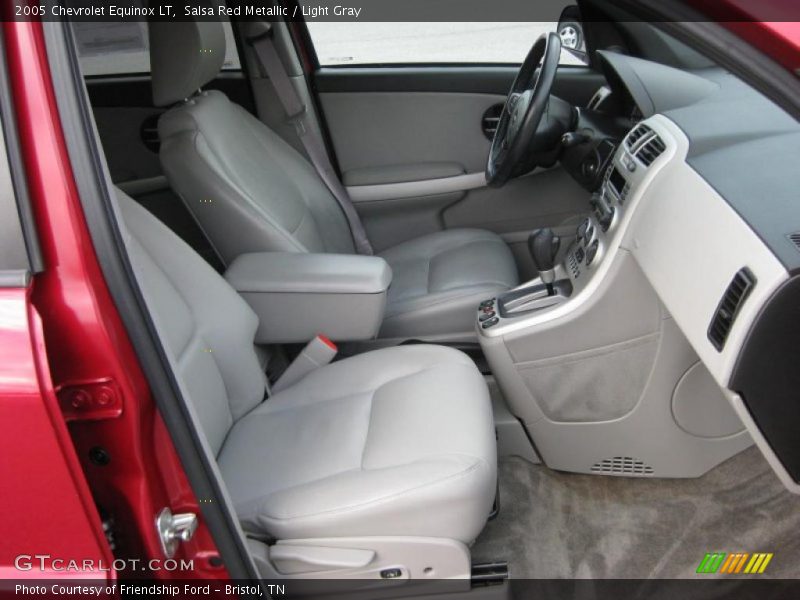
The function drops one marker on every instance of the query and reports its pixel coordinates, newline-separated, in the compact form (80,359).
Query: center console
(297,295)
(558,283)
(587,358)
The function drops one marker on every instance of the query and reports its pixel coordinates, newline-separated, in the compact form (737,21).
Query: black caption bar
(392,10)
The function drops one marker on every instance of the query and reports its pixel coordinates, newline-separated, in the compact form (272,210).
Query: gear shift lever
(543,245)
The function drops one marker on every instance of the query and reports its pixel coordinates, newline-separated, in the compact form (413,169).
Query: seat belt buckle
(318,352)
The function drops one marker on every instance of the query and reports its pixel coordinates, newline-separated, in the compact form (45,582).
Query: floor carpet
(560,525)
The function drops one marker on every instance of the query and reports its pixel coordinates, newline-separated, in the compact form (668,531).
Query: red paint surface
(771,26)
(45,505)
(86,341)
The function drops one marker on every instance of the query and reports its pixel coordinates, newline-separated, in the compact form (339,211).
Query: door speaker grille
(622,464)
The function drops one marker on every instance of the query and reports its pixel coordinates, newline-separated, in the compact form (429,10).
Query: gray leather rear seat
(394,442)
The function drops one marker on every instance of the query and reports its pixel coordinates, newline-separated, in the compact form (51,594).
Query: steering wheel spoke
(523,110)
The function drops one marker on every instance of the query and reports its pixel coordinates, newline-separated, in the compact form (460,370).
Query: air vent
(148,133)
(636,136)
(651,150)
(729,307)
(795,239)
(490,120)
(599,97)
(624,465)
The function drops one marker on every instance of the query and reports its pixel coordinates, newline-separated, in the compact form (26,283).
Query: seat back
(205,326)
(249,190)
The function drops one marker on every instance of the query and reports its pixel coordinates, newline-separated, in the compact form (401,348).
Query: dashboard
(701,191)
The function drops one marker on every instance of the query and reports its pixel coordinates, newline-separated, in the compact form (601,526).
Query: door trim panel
(571,81)
(415,189)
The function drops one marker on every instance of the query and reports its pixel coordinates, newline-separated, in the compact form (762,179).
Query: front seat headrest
(184,56)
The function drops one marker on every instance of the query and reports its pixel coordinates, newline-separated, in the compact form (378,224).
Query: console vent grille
(732,300)
(638,133)
(624,465)
(651,150)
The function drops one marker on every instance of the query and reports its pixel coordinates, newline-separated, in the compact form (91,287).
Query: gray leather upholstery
(439,280)
(251,191)
(298,295)
(311,273)
(185,56)
(397,441)
(392,442)
(205,326)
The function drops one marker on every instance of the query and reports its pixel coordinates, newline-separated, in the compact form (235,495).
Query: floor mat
(560,525)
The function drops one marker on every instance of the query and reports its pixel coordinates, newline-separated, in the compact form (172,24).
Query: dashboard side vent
(623,465)
(636,136)
(795,239)
(651,150)
(490,120)
(732,301)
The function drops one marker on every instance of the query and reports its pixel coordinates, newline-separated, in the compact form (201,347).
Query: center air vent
(623,465)
(636,136)
(729,306)
(651,150)
(645,144)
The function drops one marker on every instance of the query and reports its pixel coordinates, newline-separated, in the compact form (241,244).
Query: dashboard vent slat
(636,135)
(795,239)
(651,150)
(729,307)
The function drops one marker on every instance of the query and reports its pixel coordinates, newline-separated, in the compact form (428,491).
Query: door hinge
(90,400)
(173,529)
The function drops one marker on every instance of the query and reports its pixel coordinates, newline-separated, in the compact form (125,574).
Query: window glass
(122,48)
(368,43)
(13,252)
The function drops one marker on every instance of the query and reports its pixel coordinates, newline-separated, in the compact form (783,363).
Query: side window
(373,43)
(122,48)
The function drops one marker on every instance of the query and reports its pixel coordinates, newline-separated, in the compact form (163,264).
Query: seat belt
(297,112)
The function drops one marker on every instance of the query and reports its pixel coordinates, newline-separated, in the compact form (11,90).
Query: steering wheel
(527,102)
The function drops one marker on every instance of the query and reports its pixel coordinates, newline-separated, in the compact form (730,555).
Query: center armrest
(298,295)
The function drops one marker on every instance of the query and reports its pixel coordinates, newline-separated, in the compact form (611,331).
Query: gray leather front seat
(251,191)
(394,442)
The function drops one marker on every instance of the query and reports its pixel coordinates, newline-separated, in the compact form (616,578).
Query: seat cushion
(439,280)
(398,441)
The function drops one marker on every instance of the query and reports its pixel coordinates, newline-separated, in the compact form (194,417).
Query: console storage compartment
(298,295)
